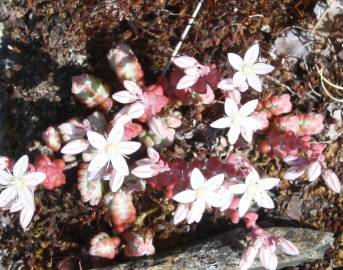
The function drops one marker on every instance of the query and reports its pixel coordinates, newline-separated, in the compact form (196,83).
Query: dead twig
(183,36)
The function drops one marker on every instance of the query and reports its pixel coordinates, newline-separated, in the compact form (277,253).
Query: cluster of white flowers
(18,189)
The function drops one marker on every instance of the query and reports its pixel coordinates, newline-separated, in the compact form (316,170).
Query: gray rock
(224,251)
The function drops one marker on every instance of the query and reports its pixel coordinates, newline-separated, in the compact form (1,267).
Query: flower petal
(230,107)
(145,171)
(20,167)
(127,148)
(244,204)
(251,54)
(136,110)
(185,62)
(254,82)
(187,81)
(247,134)
(197,179)
(153,154)
(235,60)
(248,257)
(294,172)
(186,196)
(132,87)
(239,79)
(287,247)
(268,183)
(124,97)
(268,258)
(26,198)
(314,170)
(181,213)
(26,216)
(5,177)
(253,176)
(198,209)
(262,68)
(75,147)
(238,188)
(35,178)
(116,181)
(263,200)
(96,140)
(332,181)
(119,164)
(234,132)
(226,85)
(212,199)
(249,107)
(156,125)
(98,162)
(214,182)
(116,134)
(224,122)
(7,195)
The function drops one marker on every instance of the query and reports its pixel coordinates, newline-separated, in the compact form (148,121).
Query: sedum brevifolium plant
(118,159)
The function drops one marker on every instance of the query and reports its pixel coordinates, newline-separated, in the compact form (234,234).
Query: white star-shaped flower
(111,150)
(202,194)
(239,121)
(254,189)
(247,69)
(18,189)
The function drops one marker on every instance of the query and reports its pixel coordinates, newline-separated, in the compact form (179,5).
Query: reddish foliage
(53,168)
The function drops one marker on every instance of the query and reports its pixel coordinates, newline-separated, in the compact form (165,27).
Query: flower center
(201,192)
(111,148)
(237,117)
(246,70)
(19,183)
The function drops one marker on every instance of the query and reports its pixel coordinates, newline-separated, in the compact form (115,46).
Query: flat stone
(224,251)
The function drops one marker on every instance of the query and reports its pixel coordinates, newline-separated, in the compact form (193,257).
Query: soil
(47,42)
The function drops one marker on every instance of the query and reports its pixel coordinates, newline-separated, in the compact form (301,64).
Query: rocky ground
(44,43)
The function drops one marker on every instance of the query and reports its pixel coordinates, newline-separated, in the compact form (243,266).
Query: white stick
(183,36)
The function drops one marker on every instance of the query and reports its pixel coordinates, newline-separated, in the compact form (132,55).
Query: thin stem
(183,36)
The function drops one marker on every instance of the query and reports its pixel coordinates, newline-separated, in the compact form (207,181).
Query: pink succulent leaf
(75,147)
(121,210)
(332,181)
(314,170)
(287,247)
(104,246)
(137,246)
(185,62)
(124,97)
(133,87)
(295,172)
